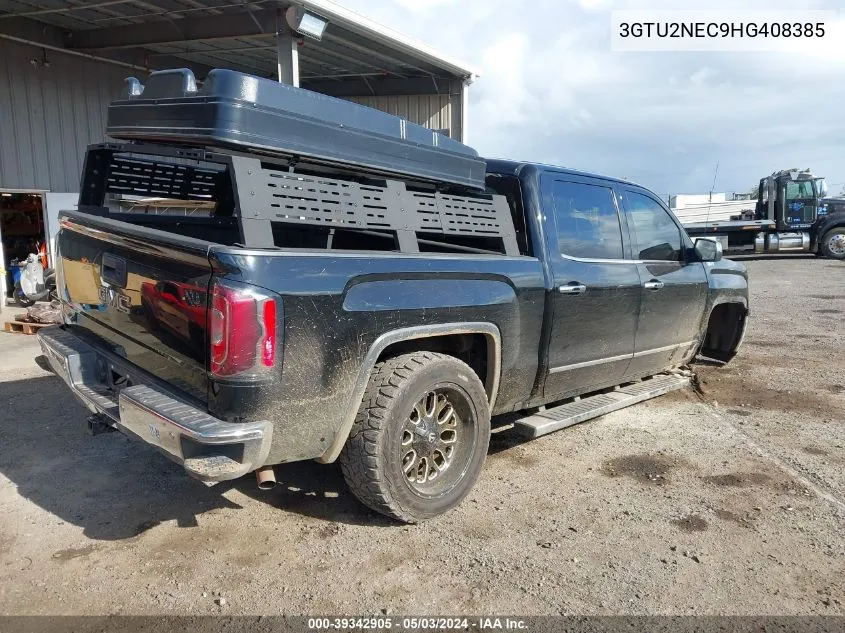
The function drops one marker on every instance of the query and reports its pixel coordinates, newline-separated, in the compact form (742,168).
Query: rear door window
(587,221)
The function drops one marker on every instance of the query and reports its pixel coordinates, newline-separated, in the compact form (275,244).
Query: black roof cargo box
(243,112)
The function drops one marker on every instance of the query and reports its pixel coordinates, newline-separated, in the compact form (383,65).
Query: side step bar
(593,406)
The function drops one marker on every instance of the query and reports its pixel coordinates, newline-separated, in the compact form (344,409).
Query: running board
(590,407)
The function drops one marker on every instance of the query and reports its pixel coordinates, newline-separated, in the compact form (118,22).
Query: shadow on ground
(116,488)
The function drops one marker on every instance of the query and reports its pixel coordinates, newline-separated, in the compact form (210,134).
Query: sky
(551,90)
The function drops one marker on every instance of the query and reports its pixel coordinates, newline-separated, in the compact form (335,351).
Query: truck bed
(168,241)
(144,296)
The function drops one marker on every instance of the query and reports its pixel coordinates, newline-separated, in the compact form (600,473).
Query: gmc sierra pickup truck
(288,305)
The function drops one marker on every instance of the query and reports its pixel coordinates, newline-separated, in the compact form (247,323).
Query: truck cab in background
(792,215)
(790,199)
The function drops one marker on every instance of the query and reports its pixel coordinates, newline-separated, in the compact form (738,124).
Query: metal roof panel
(352,44)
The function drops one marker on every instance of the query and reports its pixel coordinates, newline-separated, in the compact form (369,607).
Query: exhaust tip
(266,478)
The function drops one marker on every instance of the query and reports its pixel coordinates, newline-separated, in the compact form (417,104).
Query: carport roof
(354,52)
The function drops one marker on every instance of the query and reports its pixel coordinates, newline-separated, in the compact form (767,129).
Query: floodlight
(305,23)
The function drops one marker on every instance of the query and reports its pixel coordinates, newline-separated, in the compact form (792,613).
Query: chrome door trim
(658,350)
(589,363)
(613,359)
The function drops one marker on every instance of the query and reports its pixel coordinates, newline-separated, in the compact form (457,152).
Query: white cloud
(701,76)
(508,100)
(425,6)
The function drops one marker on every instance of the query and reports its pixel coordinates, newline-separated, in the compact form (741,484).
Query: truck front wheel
(833,243)
(420,437)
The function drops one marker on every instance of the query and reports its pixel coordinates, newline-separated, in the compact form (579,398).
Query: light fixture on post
(305,23)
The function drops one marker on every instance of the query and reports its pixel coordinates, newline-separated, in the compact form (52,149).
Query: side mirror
(708,250)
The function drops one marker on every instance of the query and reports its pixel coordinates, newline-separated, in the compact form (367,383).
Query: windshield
(801,201)
(799,190)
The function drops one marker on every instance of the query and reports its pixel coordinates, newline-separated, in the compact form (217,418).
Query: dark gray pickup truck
(240,309)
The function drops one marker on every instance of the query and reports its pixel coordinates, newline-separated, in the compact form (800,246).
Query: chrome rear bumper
(210,449)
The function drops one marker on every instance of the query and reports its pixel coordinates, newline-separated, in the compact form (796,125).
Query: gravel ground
(727,501)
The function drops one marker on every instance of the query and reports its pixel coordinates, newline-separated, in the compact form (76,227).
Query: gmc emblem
(114,298)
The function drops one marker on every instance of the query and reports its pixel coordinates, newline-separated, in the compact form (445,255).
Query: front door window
(655,235)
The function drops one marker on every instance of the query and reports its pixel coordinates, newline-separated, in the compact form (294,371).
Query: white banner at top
(821,33)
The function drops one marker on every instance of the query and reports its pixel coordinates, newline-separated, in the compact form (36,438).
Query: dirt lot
(732,502)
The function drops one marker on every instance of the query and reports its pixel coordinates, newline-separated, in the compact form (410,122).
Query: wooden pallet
(22,327)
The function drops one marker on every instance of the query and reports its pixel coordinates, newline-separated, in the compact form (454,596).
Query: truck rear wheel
(420,437)
(833,243)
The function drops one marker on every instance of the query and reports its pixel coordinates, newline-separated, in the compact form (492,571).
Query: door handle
(573,289)
(653,285)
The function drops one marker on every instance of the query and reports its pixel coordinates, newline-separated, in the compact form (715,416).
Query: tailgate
(141,292)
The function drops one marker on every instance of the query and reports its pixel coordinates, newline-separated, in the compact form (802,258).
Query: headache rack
(266,199)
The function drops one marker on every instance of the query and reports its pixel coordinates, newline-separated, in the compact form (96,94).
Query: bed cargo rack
(242,112)
(258,195)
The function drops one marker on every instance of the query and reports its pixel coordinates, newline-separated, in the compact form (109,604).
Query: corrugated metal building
(49,115)
(61,63)
(432,111)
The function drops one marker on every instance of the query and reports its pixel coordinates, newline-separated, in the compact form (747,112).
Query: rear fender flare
(491,381)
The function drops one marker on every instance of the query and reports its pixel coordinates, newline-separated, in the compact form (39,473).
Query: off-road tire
(371,460)
(825,250)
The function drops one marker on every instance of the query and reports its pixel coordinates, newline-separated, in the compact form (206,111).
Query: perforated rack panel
(458,215)
(326,201)
(142,177)
(304,199)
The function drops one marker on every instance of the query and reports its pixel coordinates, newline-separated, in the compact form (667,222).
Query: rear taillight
(268,342)
(241,331)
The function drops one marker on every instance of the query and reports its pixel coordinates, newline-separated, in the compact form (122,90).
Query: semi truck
(792,214)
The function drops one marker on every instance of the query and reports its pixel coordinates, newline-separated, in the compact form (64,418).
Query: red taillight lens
(242,331)
(268,347)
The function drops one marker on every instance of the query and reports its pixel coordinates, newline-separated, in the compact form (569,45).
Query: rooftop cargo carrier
(247,113)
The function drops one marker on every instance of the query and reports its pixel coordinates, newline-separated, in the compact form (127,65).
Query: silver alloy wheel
(430,440)
(836,244)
